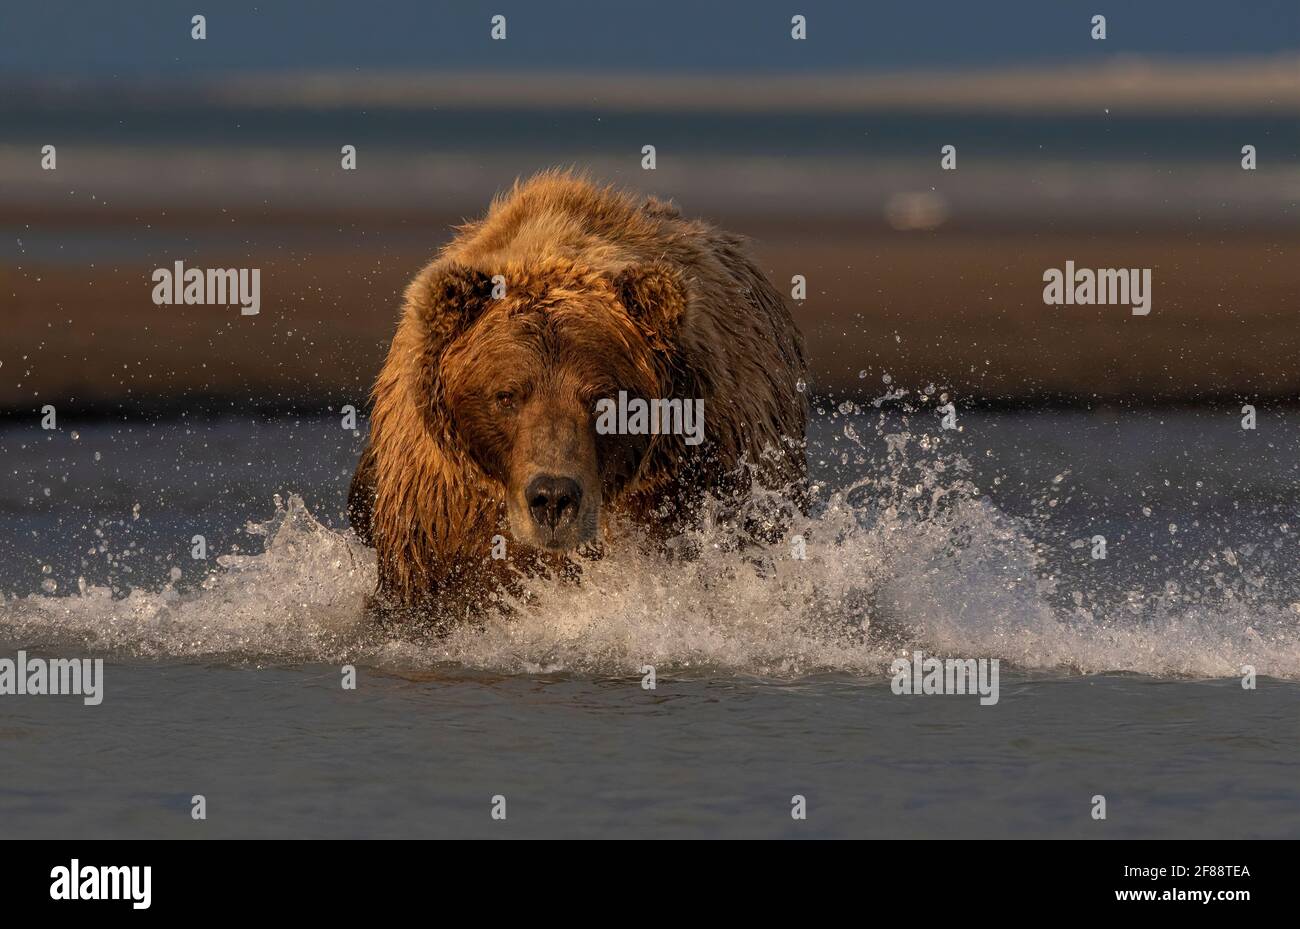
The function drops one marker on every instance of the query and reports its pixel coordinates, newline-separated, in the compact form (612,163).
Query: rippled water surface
(1120,676)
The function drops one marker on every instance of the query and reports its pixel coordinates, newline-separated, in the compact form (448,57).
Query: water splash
(301,598)
(910,557)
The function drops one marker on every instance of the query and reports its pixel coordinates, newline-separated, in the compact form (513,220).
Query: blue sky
(141,38)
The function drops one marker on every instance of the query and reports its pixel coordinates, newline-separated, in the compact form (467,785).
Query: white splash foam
(301,599)
(928,564)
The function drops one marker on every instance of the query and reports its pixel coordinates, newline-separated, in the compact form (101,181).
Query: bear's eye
(505,399)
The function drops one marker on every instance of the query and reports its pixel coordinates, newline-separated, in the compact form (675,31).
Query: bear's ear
(449,300)
(654,295)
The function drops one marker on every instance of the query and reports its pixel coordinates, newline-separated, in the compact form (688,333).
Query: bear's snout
(553,501)
(553,510)
(552,474)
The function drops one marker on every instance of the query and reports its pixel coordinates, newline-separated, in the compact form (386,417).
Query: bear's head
(513,364)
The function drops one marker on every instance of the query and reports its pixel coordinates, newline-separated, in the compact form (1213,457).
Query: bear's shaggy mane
(701,321)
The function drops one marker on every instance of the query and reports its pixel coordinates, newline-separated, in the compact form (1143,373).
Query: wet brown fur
(603,291)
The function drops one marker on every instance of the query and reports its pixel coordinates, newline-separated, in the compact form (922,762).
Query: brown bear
(566,299)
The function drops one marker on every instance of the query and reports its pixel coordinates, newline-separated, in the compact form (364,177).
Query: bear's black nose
(553,500)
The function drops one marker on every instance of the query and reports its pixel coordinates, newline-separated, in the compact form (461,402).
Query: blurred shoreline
(1124,82)
(931,277)
(170,187)
(924,308)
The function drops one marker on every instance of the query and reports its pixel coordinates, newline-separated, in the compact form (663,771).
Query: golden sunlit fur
(603,291)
